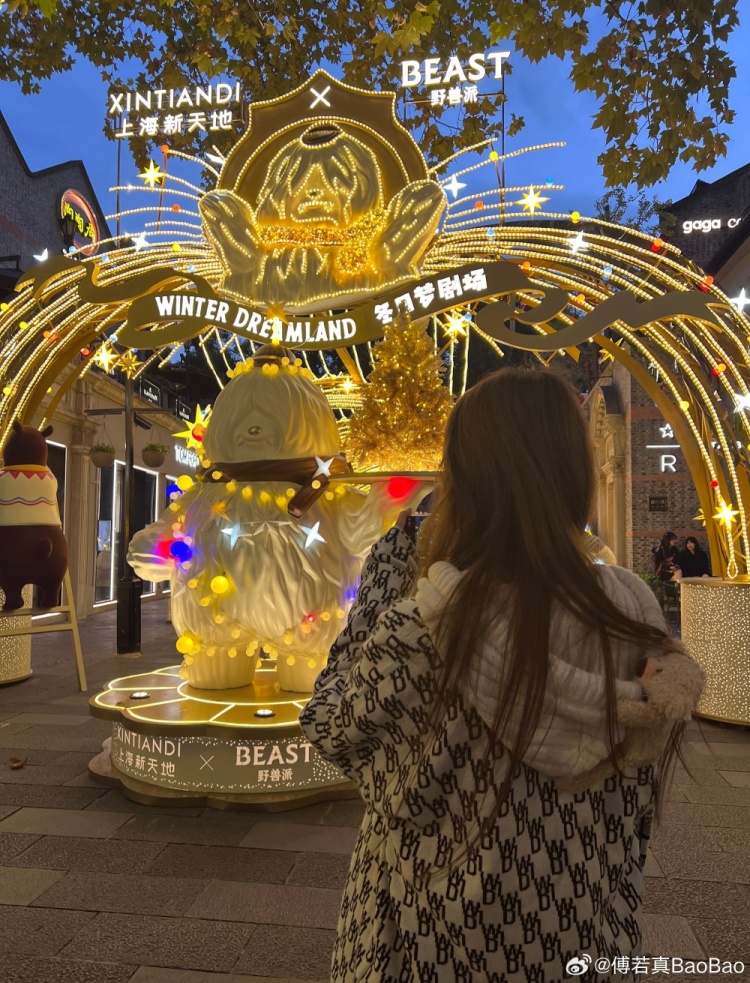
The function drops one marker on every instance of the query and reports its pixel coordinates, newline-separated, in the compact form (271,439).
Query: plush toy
(33,549)
(672,686)
(264,552)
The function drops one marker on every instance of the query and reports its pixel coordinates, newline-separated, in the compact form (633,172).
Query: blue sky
(65,121)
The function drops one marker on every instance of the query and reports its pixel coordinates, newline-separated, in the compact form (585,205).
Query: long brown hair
(515,496)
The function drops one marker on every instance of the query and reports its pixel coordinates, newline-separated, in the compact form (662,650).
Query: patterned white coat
(558,875)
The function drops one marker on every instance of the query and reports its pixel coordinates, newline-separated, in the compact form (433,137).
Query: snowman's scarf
(297,470)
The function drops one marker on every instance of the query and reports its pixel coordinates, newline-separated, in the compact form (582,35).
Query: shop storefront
(91,499)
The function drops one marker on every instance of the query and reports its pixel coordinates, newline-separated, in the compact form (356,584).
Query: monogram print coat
(432,896)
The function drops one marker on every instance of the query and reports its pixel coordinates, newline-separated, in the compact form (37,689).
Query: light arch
(696,372)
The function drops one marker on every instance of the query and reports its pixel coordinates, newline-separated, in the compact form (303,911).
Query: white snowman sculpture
(263,553)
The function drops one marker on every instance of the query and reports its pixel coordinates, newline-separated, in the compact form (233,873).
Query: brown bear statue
(33,549)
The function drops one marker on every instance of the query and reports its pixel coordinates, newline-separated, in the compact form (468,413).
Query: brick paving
(94,887)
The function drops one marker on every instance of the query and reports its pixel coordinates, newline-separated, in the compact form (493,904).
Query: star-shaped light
(193,436)
(700,517)
(234,532)
(129,363)
(277,312)
(106,357)
(531,201)
(741,401)
(139,241)
(607,355)
(215,159)
(577,243)
(219,511)
(324,467)
(312,535)
(740,301)
(456,326)
(666,431)
(348,384)
(268,527)
(42,257)
(454,186)
(152,174)
(725,514)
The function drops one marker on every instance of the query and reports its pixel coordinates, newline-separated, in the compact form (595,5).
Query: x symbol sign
(206,763)
(320,97)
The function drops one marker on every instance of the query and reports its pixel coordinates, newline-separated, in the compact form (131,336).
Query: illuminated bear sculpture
(321,227)
(33,549)
(263,554)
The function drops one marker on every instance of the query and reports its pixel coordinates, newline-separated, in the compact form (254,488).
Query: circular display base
(17,679)
(102,771)
(228,749)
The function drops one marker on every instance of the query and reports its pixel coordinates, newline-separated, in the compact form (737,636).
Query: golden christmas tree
(401,423)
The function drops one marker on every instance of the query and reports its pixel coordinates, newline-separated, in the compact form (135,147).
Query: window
(110,565)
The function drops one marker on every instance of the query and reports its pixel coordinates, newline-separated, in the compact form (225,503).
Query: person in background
(665,557)
(693,561)
(479,709)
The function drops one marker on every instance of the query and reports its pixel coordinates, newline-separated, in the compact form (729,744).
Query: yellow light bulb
(219,584)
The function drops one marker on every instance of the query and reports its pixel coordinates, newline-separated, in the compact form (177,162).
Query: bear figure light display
(263,553)
(33,549)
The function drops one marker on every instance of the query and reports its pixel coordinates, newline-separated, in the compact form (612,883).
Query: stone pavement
(97,889)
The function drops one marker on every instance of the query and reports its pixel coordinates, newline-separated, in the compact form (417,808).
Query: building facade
(643,485)
(90,500)
(32,204)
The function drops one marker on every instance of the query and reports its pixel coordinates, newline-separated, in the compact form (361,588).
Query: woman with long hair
(665,557)
(692,560)
(480,711)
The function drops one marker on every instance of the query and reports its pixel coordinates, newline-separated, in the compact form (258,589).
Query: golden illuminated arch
(695,369)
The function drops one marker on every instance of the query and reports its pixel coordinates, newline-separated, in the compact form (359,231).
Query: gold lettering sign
(159,315)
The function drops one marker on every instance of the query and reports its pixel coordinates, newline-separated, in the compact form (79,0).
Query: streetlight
(68,227)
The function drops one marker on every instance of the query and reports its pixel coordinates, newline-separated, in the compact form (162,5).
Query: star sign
(312,534)
(324,467)
(139,241)
(454,186)
(42,257)
(152,174)
(740,301)
(531,201)
(741,402)
(666,431)
(577,243)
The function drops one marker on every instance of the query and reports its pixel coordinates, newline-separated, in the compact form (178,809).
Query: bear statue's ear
(47,431)
(17,426)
